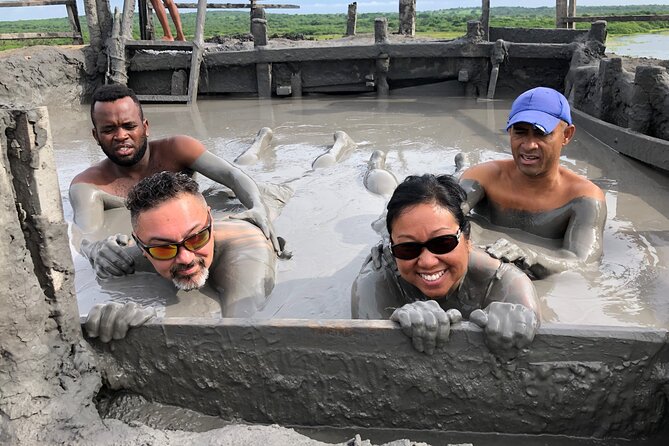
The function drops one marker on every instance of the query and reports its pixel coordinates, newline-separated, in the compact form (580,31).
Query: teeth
(431,277)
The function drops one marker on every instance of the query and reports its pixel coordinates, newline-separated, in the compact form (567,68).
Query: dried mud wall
(582,381)
(46,75)
(46,380)
(629,93)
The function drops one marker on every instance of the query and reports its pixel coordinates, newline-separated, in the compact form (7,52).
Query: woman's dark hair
(443,190)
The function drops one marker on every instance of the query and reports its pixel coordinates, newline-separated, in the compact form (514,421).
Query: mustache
(174,269)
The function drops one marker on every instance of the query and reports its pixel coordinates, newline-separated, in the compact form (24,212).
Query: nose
(120,133)
(427,259)
(184,256)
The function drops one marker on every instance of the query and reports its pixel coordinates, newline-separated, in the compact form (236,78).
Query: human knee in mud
(122,131)
(174,231)
(431,275)
(532,192)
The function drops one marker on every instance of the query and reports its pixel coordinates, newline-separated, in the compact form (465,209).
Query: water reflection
(328,221)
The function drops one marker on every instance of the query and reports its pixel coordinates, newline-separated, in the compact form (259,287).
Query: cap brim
(536,118)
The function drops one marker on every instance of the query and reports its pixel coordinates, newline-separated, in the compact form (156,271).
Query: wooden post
(257,13)
(73,18)
(381,30)
(408,17)
(105,19)
(198,46)
(95,40)
(474,30)
(126,24)
(571,12)
(382,68)
(352,19)
(485,18)
(264,79)
(116,50)
(560,13)
(259,32)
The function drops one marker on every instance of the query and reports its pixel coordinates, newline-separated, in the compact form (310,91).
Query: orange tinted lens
(163,252)
(197,241)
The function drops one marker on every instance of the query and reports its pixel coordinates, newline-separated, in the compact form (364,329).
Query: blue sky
(324,6)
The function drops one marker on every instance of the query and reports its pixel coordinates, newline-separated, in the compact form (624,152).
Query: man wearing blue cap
(534,193)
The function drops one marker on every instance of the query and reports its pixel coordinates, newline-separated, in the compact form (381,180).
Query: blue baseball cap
(542,107)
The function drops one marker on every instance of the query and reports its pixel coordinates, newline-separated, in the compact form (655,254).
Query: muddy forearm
(475,193)
(219,170)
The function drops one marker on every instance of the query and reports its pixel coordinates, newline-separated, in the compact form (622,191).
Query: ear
(95,135)
(145,123)
(568,134)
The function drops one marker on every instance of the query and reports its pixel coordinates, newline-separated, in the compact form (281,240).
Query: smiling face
(535,152)
(435,275)
(172,222)
(120,130)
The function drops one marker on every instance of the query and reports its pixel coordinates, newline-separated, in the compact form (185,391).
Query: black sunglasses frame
(432,245)
(146,248)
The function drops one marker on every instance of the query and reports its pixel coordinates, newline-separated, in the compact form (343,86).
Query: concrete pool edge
(575,380)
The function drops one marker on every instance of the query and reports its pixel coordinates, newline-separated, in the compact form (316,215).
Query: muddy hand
(258,217)
(509,252)
(426,323)
(508,327)
(112,320)
(109,257)
(381,255)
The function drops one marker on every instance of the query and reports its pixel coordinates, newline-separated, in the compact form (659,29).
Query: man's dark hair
(157,189)
(443,190)
(114,92)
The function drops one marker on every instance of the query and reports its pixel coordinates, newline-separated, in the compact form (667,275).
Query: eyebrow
(191,233)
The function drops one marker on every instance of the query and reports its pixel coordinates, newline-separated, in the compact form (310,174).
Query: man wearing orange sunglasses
(173,229)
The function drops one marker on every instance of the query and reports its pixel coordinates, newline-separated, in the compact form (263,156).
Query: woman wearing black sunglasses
(430,275)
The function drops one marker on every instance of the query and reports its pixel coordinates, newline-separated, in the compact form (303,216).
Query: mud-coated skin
(105,185)
(579,222)
(243,273)
(379,292)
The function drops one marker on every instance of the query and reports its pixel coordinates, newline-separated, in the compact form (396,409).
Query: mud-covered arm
(475,193)
(246,190)
(114,256)
(511,312)
(88,207)
(243,271)
(375,294)
(582,243)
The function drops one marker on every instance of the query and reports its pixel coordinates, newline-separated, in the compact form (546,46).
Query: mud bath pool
(327,222)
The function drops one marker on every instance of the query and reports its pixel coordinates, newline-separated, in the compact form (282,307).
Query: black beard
(128,162)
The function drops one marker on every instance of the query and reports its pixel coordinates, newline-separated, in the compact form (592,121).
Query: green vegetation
(445,23)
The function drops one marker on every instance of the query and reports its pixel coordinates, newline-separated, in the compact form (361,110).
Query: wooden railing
(565,16)
(72,15)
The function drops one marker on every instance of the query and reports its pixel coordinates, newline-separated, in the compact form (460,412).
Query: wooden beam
(50,35)
(35,3)
(234,6)
(619,18)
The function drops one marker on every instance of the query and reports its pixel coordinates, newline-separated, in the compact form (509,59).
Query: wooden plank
(73,18)
(157,45)
(146,98)
(619,18)
(49,35)
(196,56)
(235,6)
(34,3)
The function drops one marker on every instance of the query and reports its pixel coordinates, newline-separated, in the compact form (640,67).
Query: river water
(655,45)
(327,222)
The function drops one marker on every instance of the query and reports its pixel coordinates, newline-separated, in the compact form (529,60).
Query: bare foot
(181,38)
(168,38)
